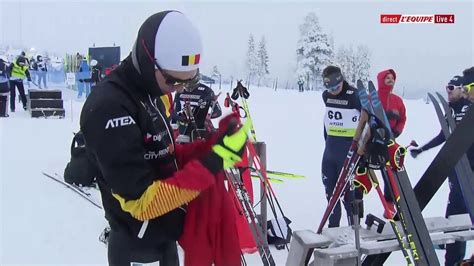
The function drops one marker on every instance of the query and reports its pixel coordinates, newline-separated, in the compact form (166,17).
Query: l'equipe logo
(424,19)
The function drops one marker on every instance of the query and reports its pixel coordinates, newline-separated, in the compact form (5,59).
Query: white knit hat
(178,45)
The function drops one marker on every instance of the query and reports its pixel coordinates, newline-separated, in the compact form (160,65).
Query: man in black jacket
(201,100)
(4,86)
(146,178)
(96,74)
(459,106)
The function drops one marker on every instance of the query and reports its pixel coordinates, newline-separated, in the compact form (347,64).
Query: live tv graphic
(407,19)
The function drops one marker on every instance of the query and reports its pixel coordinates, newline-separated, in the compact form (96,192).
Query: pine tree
(262,57)
(354,64)
(251,60)
(215,73)
(362,60)
(343,62)
(314,51)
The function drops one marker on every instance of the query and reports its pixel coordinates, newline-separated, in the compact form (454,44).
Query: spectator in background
(41,71)
(4,87)
(300,85)
(78,60)
(19,71)
(96,74)
(33,70)
(83,72)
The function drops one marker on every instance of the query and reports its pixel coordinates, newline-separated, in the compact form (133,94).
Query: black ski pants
(21,89)
(456,251)
(122,250)
(334,155)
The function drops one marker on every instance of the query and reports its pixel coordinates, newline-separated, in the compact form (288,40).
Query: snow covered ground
(43,223)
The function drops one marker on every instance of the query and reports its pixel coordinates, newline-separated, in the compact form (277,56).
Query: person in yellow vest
(18,72)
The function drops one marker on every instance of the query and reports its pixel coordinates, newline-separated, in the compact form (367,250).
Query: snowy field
(44,223)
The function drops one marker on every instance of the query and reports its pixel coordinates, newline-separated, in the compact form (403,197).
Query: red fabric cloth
(210,235)
(391,101)
(214,232)
(246,240)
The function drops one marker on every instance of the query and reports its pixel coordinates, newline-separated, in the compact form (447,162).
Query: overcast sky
(425,56)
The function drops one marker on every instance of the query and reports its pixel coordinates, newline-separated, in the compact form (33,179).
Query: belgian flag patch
(188,60)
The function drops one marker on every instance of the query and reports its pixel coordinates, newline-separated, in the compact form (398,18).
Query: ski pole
(35,84)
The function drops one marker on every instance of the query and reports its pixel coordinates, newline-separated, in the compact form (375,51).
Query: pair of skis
(77,189)
(237,186)
(409,213)
(391,183)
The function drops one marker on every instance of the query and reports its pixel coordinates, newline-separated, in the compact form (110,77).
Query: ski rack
(306,243)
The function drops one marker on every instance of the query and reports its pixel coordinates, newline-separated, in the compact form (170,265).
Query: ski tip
(441,97)
(371,85)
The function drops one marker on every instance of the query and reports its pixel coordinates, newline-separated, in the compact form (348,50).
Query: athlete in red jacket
(392,103)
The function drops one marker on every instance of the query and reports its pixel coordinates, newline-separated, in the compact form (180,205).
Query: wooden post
(261,149)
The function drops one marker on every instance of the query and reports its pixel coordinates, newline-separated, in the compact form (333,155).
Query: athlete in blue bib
(340,122)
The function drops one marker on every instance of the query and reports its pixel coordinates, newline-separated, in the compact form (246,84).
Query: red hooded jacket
(391,102)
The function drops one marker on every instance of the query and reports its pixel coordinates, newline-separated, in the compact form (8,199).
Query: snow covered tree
(262,60)
(215,73)
(314,51)
(362,63)
(251,61)
(216,76)
(345,60)
(355,64)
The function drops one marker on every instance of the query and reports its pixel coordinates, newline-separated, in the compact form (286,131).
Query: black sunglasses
(172,81)
(188,84)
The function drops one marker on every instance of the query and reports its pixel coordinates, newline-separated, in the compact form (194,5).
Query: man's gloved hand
(229,146)
(415,152)
(182,119)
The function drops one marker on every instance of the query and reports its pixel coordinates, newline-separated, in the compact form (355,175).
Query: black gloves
(414,152)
